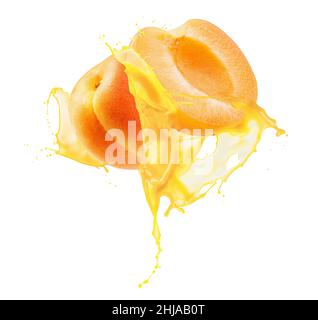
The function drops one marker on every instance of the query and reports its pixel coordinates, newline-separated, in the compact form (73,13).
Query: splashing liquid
(182,183)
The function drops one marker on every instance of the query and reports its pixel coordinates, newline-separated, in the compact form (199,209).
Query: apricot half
(199,60)
(101,101)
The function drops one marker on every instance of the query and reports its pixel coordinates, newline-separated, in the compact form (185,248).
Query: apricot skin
(113,104)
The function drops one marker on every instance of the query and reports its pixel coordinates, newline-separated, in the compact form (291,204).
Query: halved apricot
(199,60)
(101,101)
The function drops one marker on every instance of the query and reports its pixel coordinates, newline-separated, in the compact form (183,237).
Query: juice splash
(180,89)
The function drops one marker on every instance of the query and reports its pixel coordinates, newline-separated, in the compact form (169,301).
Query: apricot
(199,60)
(101,101)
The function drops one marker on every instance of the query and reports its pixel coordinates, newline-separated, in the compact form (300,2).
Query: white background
(71,231)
